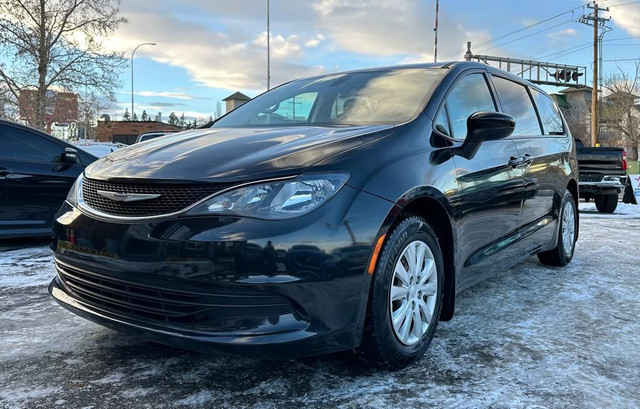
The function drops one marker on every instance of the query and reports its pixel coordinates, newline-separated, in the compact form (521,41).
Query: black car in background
(36,173)
(335,212)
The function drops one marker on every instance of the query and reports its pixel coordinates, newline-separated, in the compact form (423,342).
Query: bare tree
(579,124)
(620,107)
(55,45)
(89,108)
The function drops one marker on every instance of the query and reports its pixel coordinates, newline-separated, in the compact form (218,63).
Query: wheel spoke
(427,313)
(404,329)
(398,292)
(411,258)
(429,289)
(399,315)
(427,272)
(416,331)
(402,274)
(419,256)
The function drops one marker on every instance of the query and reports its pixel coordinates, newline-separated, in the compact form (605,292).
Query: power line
(493,40)
(622,4)
(527,36)
(570,51)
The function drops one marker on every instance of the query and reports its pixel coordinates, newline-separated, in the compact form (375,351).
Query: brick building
(128,131)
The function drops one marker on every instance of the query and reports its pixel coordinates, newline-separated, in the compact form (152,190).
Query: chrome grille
(173,197)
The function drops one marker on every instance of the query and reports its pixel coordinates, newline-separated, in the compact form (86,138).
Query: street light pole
(132,54)
(268,50)
(435,42)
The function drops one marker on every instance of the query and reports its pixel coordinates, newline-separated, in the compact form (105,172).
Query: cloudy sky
(208,49)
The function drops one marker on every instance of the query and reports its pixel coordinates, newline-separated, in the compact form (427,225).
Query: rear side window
(21,145)
(549,114)
(469,95)
(516,102)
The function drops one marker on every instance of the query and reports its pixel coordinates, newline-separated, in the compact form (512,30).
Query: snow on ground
(529,337)
(623,210)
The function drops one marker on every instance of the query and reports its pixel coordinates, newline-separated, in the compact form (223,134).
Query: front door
(490,187)
(34,181)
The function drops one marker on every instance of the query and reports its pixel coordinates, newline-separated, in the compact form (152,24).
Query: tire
(397,346)
(607,203)
(562,254)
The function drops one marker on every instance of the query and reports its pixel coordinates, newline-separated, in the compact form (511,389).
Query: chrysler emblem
(127,197)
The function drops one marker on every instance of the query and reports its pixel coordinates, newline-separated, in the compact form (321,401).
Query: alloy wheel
(568,228)
(414,287)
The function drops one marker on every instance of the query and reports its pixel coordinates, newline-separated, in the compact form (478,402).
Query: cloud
(394,28)
(165,104)
(175,95)
(214,58)
(313,42)
(280,46)
(223,44)
(562,34)
(627,17)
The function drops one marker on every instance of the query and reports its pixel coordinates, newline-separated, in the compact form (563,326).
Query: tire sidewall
(410,230)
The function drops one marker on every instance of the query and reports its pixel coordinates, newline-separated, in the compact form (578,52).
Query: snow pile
(623,211)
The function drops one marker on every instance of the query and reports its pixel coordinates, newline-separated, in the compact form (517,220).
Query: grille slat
(138,300)
(173,197)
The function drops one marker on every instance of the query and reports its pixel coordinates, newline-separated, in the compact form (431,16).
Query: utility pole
(595,21)
(268,50)
(435,45)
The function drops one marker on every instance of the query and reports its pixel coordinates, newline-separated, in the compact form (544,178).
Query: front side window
(516,102)
(549,114)
(22,145)
(387,96)
(469,95)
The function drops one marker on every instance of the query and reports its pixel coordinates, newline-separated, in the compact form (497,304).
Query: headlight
(75,194)
(275,200)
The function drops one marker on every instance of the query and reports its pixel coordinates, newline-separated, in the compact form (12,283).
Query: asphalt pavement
(529,337)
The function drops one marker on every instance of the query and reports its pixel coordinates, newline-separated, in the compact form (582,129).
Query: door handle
(528,159)
(515,162)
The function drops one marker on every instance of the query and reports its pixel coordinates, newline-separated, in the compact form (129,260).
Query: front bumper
(223,284)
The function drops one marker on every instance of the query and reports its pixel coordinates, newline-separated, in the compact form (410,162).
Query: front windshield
(389,96)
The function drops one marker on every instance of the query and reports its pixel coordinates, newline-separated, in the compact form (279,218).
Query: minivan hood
(232,154)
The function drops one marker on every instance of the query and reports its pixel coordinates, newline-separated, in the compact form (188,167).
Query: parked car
(147,136)
(603,173)
(100,149)
(443,174)
(36,173)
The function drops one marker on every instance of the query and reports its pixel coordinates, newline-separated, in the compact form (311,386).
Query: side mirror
(485,126)
(71,155)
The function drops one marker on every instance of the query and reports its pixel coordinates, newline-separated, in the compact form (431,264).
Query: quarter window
(442,123)
(516,102)
(469,95)
(19,144)
(549,114)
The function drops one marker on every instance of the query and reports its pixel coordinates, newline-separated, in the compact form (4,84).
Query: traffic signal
(566,75)
(560,75)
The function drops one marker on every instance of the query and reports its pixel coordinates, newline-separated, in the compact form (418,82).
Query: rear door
(34,181)
(489,187)
(541,142)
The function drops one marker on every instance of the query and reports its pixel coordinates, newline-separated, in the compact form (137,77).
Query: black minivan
(36,173)
(335,212)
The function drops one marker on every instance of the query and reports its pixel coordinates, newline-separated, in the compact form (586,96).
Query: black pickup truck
(603,173)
